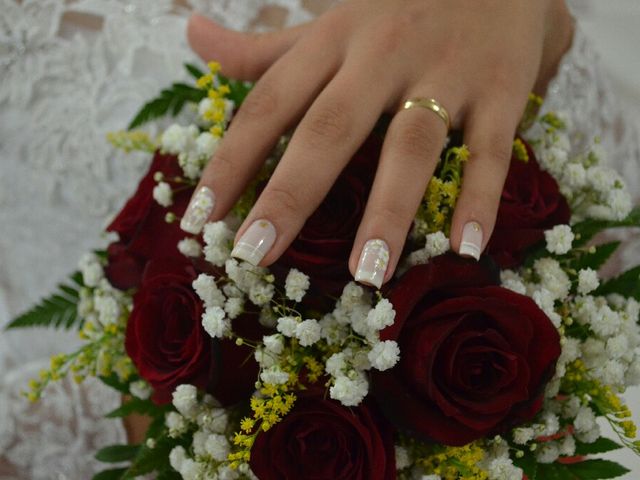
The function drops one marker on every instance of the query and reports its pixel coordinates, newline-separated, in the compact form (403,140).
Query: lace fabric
(73,70)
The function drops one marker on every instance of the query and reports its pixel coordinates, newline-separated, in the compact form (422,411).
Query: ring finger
(411,150)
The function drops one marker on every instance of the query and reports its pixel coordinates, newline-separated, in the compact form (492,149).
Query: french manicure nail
(471,243)
(198,211)
(255,242)
(373,263)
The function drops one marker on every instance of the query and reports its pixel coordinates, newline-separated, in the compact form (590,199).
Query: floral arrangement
(490,369)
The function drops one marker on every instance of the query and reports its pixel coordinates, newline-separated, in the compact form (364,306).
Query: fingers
(489,134)
(275,103)
(410,153)
(335,126)
(243,56)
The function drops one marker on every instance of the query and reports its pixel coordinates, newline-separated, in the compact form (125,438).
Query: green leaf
(193,70)
(587,229)
(585,470)
(152,459)
(239,89)
(117,453)
(114,382)
(553,471)
(112,474)
(60,310)
(528,465)
(596,469)
(596,259)
(168,475)
(170,101)
(626,284)
(135,405)
(601,445)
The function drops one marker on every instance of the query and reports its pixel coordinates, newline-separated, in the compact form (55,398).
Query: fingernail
(255,242)
(373,263)
(198,211)
(471,243)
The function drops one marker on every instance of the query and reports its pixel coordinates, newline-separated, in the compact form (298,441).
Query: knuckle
(261,101)
(221,162)
(415,139)
(328,124)
(390,32)
(279,201)
(393,216)
(498,150)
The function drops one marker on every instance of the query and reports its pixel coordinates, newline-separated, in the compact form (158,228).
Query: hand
(334,77)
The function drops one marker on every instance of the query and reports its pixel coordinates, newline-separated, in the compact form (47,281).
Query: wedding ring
(430,104)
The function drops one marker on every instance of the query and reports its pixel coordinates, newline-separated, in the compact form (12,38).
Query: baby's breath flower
(274,375)
(176,424)
(163,194)
(381,316)
(218,447)
(587,281)
(559,239)
(190,247)
(185,399)
(273,343)
(287,326)
(177,457)
(308,332)
(384,355)
(234,307)
(350,391)
(206,288)
(215,323)
(140,389)
(296,285)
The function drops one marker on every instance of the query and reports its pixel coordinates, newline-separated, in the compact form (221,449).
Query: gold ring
(430,104)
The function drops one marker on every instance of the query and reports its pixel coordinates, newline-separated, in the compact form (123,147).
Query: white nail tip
(198,211)
(255,243)
(471,243)
(373,263)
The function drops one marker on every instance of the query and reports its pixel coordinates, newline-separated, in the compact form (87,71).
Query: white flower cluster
(559,239)
(190,247)
(354,326)
(209,446)
(435,244)
(218,240)
(611,352)
(194,149)
(91,269)
(592,190)
(296,285)
(497,462)
(163,194)
(100,303)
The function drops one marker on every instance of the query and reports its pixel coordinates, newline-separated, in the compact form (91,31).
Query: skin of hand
(333,78)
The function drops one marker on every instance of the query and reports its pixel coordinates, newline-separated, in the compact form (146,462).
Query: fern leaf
(193,70)
(60,310)
(170,101)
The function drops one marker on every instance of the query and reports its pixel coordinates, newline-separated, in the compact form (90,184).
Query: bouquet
(456,369)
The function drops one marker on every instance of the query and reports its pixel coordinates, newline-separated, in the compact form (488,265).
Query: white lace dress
(72,70)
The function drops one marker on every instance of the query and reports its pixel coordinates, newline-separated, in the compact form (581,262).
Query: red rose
(322,440)
(475,357)
(168,345)
(531,203)
(143,232)
(324,244)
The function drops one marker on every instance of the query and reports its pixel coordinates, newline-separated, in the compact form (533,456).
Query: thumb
(245,56)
